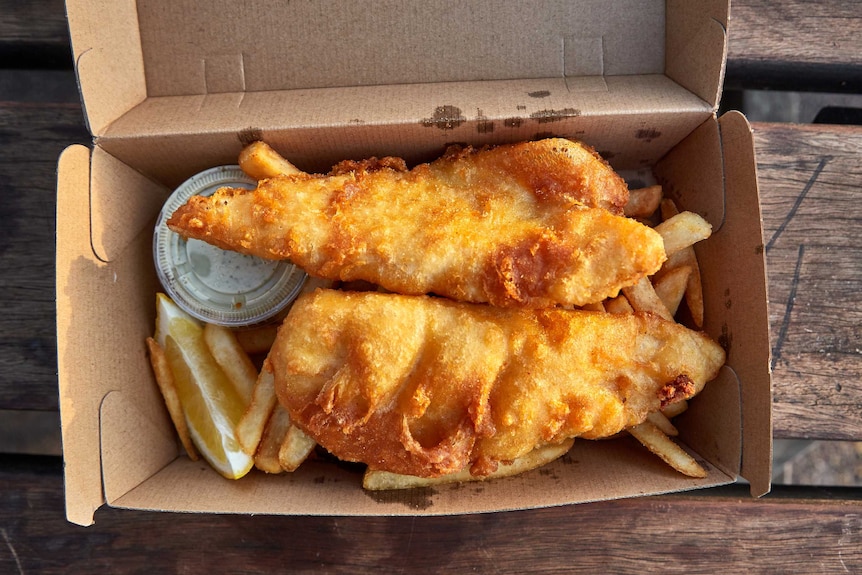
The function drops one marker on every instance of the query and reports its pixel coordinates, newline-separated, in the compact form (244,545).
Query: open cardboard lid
(161,74)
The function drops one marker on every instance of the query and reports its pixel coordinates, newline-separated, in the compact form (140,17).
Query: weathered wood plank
(34,34)
(681,534)
(31,138)
(795,45)
(811,187)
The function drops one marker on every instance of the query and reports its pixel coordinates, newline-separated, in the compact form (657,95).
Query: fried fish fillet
(426,386)
(524,225)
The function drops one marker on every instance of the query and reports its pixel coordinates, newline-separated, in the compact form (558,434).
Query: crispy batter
(426,386)
(523,225)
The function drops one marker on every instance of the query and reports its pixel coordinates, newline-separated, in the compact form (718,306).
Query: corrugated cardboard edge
(749,261)
(735,281)
(79,418)
(105,310)
(695,29)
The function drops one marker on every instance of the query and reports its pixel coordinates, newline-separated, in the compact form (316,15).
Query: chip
(670,287)
(251,427)
(375,480)
(643,298)
(259,161)
(295,448)
(165,381)
(643,202)
(683,230)
(660,444)
(266,457)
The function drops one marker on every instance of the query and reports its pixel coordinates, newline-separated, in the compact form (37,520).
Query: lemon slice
(210,402)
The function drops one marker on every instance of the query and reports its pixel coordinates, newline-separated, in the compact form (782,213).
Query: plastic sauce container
(215,285)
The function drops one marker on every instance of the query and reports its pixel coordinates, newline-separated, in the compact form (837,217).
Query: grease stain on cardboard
(249,135)
(483,125)
(445,118)
(550,115)
(418,498)
(647,134)
(725,340)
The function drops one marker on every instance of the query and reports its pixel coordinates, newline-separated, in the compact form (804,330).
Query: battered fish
(524,225)
(426,386)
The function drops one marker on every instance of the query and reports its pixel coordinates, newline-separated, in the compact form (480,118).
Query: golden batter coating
(426,386)
(525,225)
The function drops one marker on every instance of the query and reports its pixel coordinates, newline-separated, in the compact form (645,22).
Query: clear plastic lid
(215,285)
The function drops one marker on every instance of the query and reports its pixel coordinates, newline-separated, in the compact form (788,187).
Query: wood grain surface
(811,185)
(724,531)
(34,34)
(32,134)
(810,178)
(795,45)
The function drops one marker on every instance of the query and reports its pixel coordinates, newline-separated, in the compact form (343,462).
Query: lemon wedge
(211,404)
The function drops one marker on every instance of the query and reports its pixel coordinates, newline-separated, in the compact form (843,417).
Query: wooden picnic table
(810,181)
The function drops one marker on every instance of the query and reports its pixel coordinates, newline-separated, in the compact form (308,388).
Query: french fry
(257,339)
(670,287)
(251,427)
(266,457)
(686,257)
(660,444)
(643,298)
(661,421)
(165,381)
(259,161)
(671,410)
(618,304)
(643,202)
(375,480)
(694,290)
(683,230)
(668,209)
(232,358)
(295,448)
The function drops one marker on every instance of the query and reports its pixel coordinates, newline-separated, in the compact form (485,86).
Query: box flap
(591,471)
(269,46)
(137,439)
(79,400)
(713,172)
(106,46)
(103,306)
(174,137)
(712,425)
(697,46)
(116,219)
(746,324)
(186,53)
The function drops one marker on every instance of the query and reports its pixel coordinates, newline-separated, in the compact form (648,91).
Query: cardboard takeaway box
(171,88)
